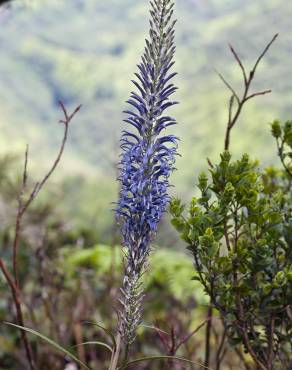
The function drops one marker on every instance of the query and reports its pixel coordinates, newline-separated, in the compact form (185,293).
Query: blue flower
(147,159)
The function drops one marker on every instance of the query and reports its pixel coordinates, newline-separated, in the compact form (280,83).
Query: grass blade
(51,342)
(153,328)
(151,358)
(105,330)
(96,343)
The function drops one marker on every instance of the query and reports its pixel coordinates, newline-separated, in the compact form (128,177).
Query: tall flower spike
(147,160)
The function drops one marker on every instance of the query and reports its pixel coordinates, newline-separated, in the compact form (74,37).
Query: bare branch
(239,62)
(264,53)
(208,335)
(162,338)
(187,337)
(13,281)
(64,110)
(7,275)
(16,242)
(38,186)
(231,101)
(19,316)
(228,86)
(219,354)
(258,94)
(247,82)
(25,174)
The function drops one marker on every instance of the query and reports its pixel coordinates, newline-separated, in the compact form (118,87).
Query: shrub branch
(23,205)
(247,84)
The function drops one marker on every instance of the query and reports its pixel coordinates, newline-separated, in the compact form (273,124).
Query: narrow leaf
(151,358)
(51,342)
(153,328)
(96,343)
(105,330)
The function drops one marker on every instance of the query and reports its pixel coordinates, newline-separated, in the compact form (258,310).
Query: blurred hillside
(86,52)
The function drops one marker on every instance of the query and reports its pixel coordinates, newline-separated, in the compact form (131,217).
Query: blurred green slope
(86,52)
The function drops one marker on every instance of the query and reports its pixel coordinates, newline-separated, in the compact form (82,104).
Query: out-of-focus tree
(2,2)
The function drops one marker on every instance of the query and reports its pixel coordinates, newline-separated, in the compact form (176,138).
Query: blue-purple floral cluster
(148,158)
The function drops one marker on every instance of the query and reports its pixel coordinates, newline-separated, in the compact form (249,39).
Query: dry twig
(248,78)
(12,279)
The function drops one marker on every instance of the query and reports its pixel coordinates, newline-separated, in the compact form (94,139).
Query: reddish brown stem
(242,324)
(238,298)
(247,81)
(19,316)
(208,336)
(219,358)
(16,244)
(242,359)
(271,343)
(187,337)
(13,281)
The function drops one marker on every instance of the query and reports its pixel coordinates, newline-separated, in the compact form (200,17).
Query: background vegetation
(85,52)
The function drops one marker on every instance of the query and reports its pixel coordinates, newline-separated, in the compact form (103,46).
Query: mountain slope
(86,52)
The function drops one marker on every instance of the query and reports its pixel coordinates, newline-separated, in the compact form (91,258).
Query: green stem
(116,354)
(126,356)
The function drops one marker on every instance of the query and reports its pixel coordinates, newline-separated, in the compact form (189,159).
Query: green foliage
(103,259)
(239,232)
(64,282)
(74,283)
(283,135)
(238,229)
(85,52)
